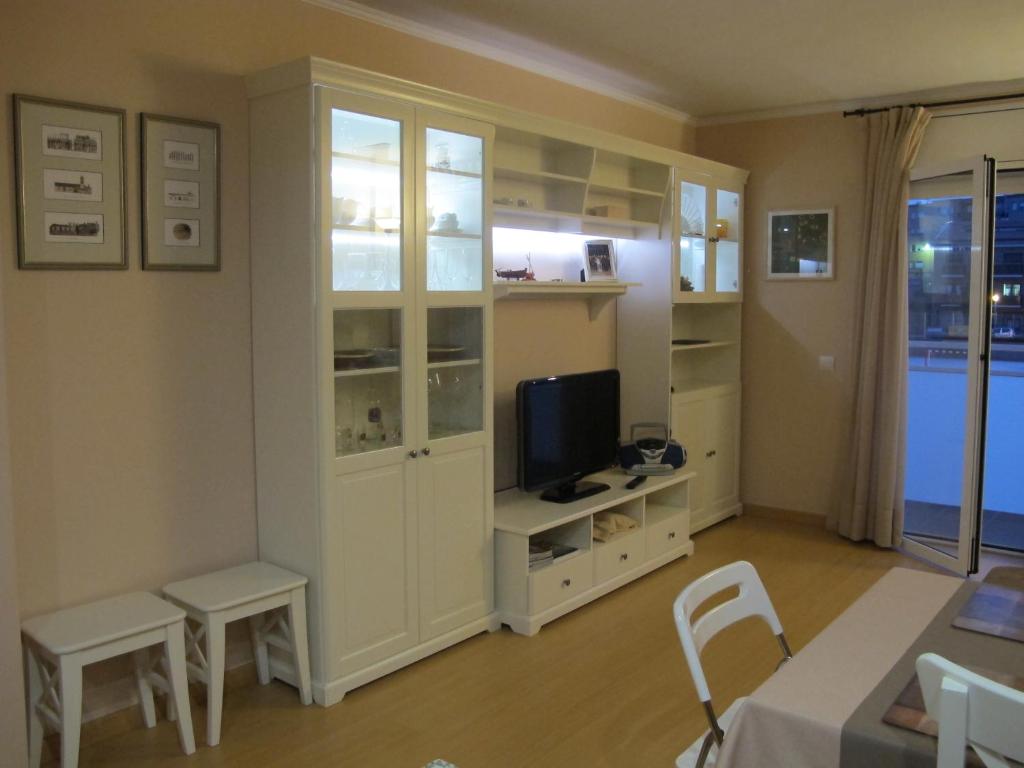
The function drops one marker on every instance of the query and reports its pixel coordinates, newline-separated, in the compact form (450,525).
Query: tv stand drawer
(558,582)
(615,557)
(668,534)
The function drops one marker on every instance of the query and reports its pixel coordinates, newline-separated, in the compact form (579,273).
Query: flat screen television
(568,427)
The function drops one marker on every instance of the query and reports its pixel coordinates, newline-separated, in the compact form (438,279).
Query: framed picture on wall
(180,194)
(69,162)
(800,244)
(599,260)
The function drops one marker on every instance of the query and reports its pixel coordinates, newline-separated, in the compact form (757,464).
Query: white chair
(971,710)
(752,600)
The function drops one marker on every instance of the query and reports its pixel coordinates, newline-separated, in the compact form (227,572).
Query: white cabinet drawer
(668,534)
(557,583)
(615,557)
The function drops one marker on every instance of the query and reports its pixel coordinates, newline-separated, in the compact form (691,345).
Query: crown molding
(500,54)
(948,93)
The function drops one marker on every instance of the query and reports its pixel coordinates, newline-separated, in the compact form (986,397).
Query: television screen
(568,428)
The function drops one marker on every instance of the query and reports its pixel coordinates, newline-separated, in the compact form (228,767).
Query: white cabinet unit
(706,421)
(371,298)
(708,246)
(679,335)
(529,597)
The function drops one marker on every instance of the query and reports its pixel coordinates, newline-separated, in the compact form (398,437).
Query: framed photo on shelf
(599,260)
(801,244)
(69,162)
(180,194)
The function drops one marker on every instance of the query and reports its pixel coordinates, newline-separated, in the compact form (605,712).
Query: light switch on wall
(826,362)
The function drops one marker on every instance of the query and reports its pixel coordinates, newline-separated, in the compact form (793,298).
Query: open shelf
(517,174)
(608,189)
(597,293)
(704,345)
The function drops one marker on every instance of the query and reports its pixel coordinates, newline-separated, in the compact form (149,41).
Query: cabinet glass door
(692,238)
(454,211)
(366,202)
(368,414)
(455,371)
(727,242)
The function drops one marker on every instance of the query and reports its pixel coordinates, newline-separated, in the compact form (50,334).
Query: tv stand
(527,599)
(580,489)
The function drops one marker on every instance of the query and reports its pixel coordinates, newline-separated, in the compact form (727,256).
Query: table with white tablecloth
(824,708)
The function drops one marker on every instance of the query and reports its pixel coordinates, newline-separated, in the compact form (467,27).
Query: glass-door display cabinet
(707,244)
(373,425)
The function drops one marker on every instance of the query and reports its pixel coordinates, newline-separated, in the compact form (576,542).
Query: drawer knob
(671,534)
(413,454)
(566,583)
(623,557)
(426,451)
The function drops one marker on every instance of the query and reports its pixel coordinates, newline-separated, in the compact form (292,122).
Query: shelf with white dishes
(527,599)
(366,371)
(454,363)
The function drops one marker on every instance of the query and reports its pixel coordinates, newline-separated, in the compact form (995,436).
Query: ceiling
(709,58)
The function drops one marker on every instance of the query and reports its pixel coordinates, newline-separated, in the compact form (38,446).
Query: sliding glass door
(1002,511)
(949,257)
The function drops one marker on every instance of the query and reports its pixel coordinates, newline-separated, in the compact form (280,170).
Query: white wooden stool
(57,646)
(246,591)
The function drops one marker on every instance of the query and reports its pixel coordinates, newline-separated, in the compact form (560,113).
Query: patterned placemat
(994,610)
(908,710)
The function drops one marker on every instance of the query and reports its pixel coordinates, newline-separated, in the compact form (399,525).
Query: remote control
(636,481)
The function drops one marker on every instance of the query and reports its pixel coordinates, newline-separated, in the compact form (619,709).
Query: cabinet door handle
(623,557)
(709,454)
(712,239)
(566,583)
(413,453)
(426,451)
(671,534)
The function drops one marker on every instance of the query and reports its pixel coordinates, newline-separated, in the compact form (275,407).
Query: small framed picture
(180,194)
(69,162)
(599,260)
(800,244)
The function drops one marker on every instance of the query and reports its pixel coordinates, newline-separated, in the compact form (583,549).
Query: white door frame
(983,191)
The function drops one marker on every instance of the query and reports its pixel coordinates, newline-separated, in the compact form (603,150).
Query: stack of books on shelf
(546,552)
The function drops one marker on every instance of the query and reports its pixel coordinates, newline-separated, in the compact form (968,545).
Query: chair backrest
(752,600)
(971,710)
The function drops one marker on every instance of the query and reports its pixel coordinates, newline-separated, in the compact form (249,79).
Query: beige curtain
(871,506)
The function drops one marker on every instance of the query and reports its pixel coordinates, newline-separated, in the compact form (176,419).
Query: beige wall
(131,423)
(795,415)
(12,709)
(535,338)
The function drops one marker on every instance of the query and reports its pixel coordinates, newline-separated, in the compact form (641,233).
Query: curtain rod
(955,102)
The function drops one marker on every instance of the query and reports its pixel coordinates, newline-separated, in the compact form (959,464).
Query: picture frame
(599,261)
(180,188)
(801,244)
(69,179)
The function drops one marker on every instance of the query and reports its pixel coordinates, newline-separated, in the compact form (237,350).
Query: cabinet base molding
(785,515)
(530,625)
(700,520)
(328,694)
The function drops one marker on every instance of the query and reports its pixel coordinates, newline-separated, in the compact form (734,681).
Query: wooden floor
(604,686)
